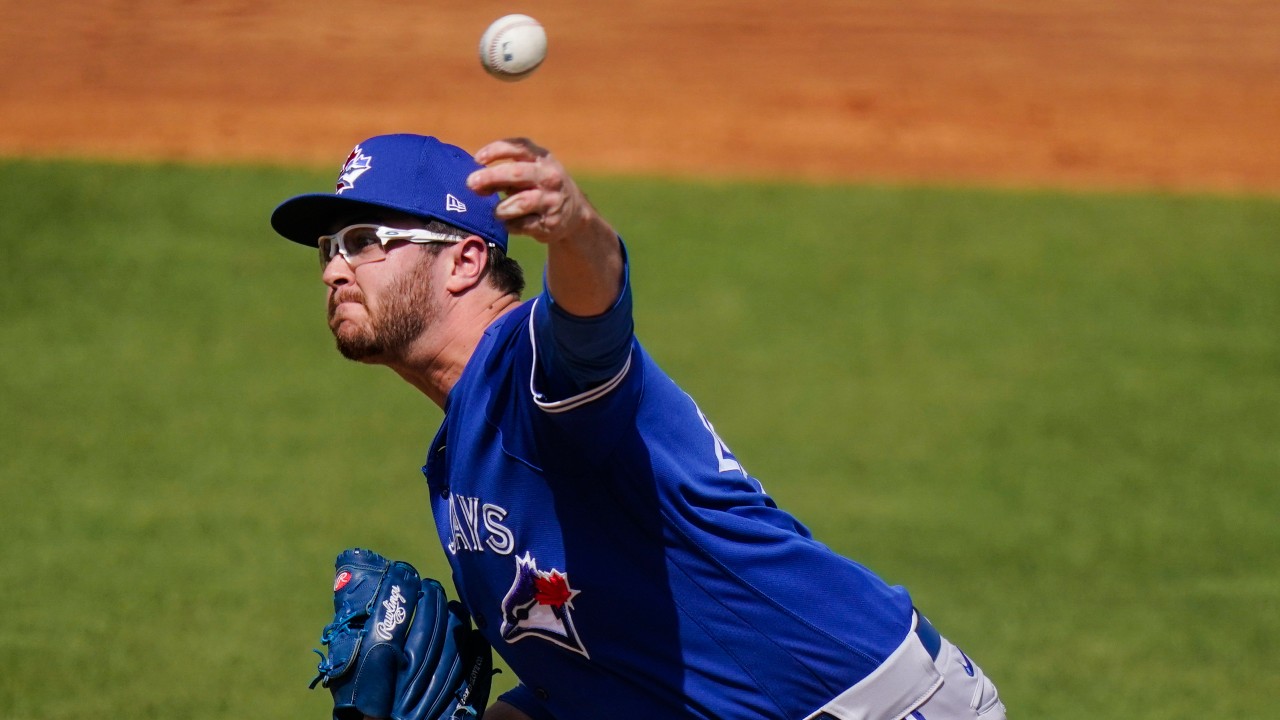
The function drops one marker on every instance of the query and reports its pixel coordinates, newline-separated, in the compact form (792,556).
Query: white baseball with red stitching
(513,47)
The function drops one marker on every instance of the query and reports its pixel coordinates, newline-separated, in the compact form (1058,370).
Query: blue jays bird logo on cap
(416,175)
(356,165)
(539,604)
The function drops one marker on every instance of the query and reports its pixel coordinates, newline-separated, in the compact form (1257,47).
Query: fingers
(513,165)
(512,177)
(541,214)
(541,201)
(511,149)
(522,203)
(543,227)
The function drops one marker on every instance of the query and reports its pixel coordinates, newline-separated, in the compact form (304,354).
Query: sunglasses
(364,243)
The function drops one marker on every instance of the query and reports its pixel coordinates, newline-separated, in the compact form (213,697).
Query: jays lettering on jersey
(614,551)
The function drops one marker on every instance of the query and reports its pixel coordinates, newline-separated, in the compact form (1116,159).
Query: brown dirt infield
(1172,94)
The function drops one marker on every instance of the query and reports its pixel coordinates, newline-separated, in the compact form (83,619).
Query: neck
(435,361)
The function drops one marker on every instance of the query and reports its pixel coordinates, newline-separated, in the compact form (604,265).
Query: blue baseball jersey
(616,554)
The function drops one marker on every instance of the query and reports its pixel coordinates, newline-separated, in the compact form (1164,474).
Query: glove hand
(448,666)
(398,648)
(372,601)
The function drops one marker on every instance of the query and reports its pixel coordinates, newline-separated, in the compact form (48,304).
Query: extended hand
(542,201)
(584,255)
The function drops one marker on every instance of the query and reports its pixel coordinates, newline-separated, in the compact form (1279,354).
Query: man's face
(376,310)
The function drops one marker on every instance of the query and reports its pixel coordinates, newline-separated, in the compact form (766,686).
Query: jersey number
(727,461)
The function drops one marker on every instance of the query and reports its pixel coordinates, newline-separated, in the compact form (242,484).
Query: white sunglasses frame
(337,242)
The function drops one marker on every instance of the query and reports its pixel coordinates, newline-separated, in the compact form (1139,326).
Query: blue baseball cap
(413,174)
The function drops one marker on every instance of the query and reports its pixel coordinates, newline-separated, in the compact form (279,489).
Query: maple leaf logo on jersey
(540,604)
(355,166)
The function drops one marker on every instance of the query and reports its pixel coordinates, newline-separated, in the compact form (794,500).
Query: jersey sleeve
(580,359)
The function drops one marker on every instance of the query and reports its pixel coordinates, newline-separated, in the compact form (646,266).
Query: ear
(465,265)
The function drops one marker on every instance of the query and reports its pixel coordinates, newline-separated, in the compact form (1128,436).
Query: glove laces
(339,625)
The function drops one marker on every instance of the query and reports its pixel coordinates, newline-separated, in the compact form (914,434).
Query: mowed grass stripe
(1054,417)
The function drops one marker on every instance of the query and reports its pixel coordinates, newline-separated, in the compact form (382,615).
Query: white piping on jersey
(559,406)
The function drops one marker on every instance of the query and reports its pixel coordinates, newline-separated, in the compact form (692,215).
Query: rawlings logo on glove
(395,615)
(414,653)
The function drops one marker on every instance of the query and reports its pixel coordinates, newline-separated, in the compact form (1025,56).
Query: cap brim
(305,218)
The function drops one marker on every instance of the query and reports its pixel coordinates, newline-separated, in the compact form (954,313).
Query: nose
(337,272)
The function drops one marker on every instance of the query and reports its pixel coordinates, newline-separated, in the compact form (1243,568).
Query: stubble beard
(404,315)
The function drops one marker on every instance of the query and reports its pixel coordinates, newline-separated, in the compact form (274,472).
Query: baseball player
(606,541)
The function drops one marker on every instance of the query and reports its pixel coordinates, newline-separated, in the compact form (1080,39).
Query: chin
(358,347)
(361,355)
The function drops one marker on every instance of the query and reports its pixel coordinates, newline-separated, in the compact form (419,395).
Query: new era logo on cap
(408,174)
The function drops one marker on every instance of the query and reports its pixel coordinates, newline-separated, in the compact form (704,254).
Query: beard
(407,311)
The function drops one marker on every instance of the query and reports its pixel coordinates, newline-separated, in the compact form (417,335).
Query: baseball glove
(398,648)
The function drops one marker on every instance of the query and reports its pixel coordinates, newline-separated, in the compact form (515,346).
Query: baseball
(513,47)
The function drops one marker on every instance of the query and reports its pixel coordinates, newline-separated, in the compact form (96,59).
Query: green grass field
(1054,417)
